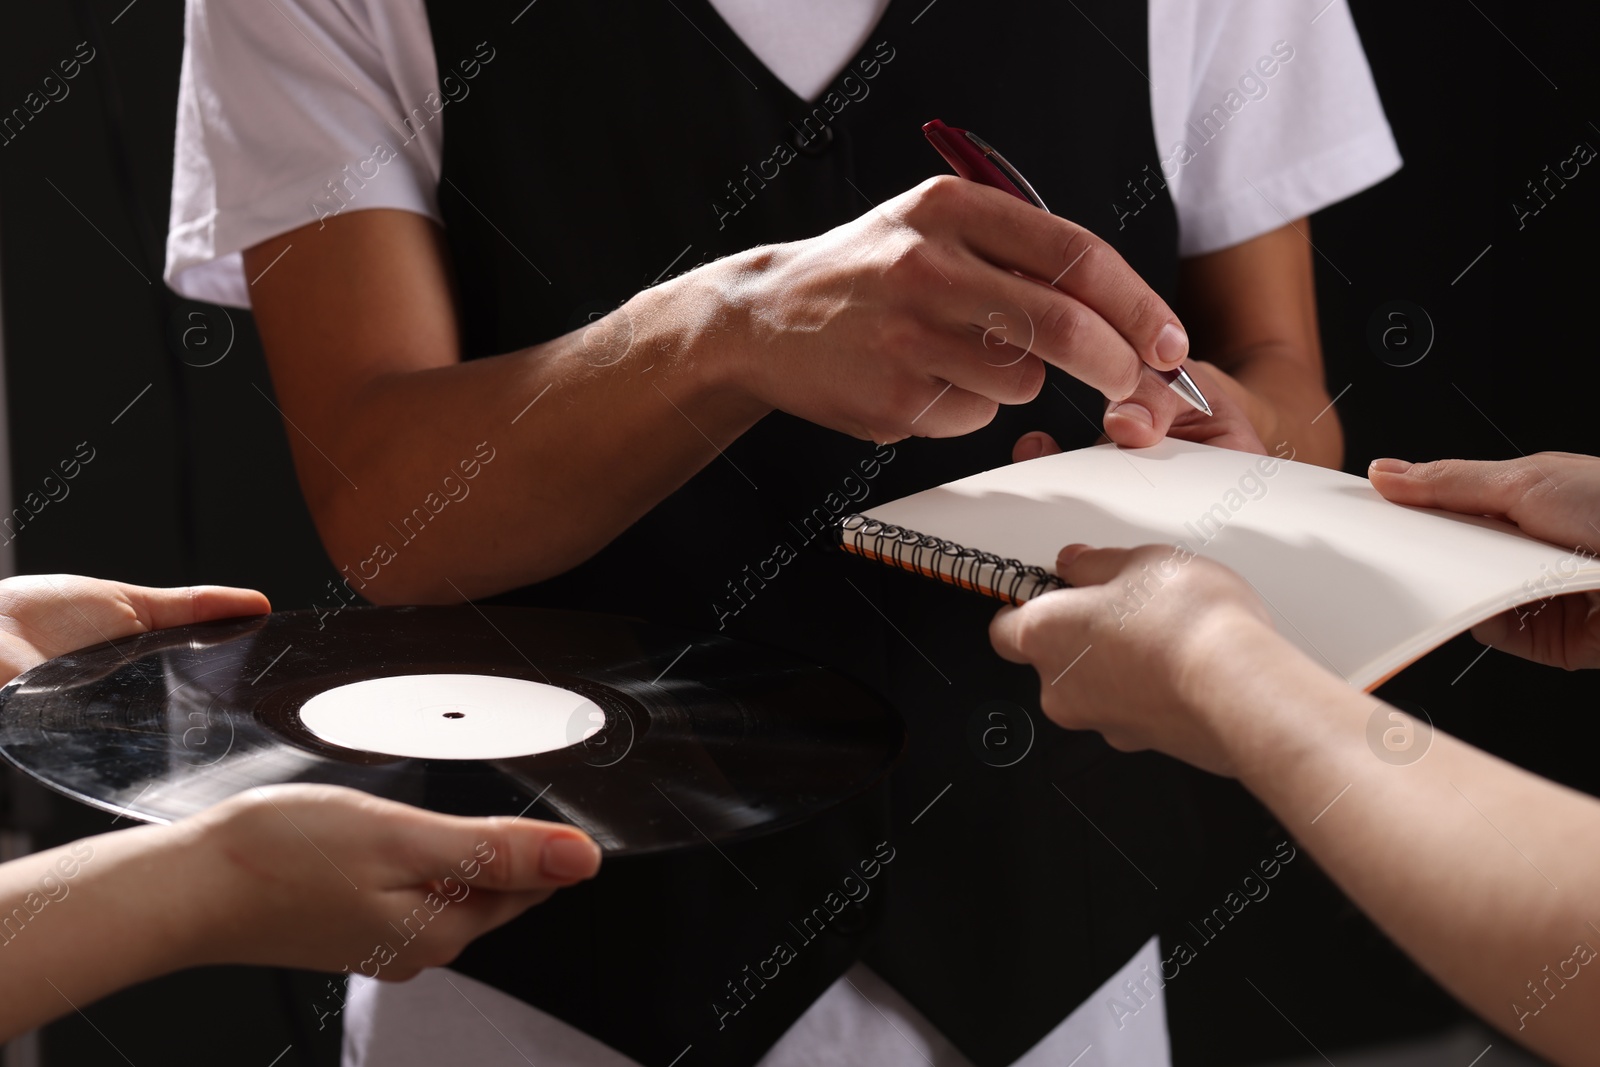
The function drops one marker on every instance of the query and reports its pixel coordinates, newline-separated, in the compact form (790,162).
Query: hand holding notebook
(1194,635)
(1471,864)
(1149,679)
(1552,496)
(1361,585)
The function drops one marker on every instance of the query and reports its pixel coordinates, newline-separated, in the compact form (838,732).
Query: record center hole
(455,715)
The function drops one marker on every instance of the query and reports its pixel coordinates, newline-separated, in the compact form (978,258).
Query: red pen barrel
(967,160)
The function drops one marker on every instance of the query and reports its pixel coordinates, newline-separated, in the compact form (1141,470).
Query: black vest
(605,146)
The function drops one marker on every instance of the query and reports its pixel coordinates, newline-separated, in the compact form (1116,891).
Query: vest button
(810,144)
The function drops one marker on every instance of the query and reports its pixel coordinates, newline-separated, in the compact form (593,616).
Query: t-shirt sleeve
(1273,115)
(290,111)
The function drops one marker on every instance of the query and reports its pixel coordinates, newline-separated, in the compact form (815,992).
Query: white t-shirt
(442,1017)
(277,98)
(1264,111)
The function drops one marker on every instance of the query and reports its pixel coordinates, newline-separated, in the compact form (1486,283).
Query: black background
(193,482)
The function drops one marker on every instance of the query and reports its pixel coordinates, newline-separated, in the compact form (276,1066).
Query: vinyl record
(647,738)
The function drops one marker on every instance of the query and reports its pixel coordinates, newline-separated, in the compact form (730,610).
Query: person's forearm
(470,479)
(1286,404)
(1457,855)
(86,919)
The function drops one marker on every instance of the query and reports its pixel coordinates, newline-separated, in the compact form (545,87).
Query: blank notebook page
(1362,585)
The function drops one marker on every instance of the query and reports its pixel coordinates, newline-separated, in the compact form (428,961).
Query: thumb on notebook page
(1139,634)
(1554,496)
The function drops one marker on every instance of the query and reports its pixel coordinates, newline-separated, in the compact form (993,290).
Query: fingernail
(567,857)
(1172,344)
(1030,447)
(1070,553)
(1390,466)
(1136,412)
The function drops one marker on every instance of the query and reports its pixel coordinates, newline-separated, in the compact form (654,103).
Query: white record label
(451,716)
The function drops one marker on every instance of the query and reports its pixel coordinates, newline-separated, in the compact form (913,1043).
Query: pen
(975,159)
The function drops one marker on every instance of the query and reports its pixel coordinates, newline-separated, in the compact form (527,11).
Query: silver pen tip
(1185,387)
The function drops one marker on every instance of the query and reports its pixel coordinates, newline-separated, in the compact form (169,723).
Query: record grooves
(648,738)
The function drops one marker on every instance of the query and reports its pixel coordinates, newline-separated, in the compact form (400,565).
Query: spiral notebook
(1362,585)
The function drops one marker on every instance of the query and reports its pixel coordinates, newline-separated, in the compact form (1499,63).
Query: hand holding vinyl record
(319,877)
(292,875)
(485,715)
(333,879)
(43,616)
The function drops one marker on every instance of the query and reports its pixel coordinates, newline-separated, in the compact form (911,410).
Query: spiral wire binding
(1003,578)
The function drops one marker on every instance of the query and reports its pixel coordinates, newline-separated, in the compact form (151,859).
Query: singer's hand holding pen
(1144,416)
(976,160)
(935,318)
